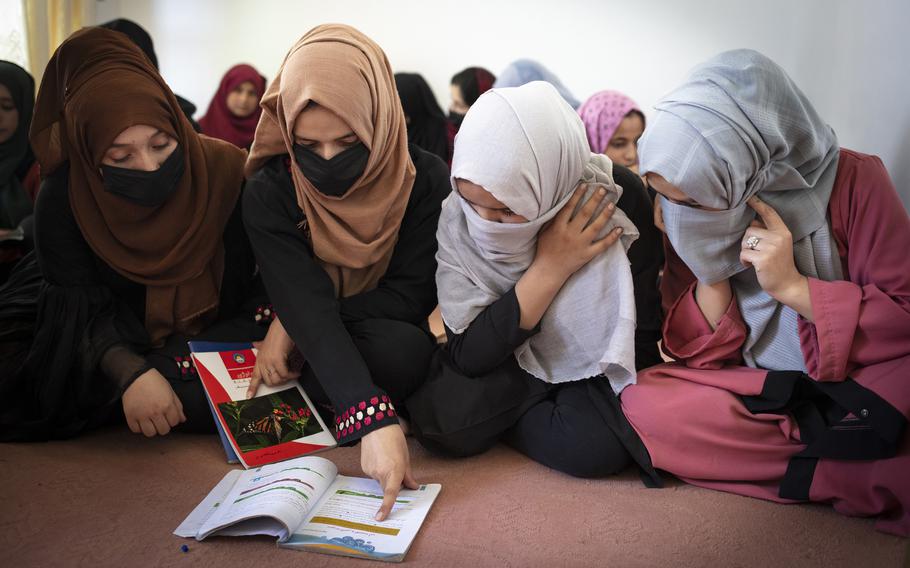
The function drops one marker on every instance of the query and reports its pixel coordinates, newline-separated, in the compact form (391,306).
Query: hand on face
(570,241)
(767,246)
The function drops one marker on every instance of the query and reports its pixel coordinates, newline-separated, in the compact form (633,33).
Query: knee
(394,350)
(590,458)
(454,445)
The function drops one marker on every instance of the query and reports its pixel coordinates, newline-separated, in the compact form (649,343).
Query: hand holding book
(272,359)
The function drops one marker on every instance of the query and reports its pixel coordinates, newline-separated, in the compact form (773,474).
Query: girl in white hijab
(538,304)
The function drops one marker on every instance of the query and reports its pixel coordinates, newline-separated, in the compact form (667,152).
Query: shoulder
(864,201)
(270,188)
(862,181)
(53,197)
(432,179)
(223,156)
(855,168)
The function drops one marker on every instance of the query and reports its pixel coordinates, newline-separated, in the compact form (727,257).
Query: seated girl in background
(614,123)
(342,214)
(787,289)
(427,126)
(466,86)
(524,71)
(140,244)
(18,168)
(536,295)
(234,111)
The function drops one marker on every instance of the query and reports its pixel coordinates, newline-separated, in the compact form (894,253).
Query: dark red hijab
(219,122)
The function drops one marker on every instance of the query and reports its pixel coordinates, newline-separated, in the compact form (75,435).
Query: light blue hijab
(524,71)
(737,127)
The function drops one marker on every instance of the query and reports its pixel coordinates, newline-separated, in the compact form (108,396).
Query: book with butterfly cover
(307,505)
(277,424)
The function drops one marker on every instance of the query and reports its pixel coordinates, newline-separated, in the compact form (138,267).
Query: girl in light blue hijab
(524,71)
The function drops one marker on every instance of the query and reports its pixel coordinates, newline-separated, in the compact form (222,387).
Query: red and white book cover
(277,424)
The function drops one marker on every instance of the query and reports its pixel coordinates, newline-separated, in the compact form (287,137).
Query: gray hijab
(527,147)
(738,127)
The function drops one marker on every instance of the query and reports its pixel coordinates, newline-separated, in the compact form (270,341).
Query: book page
(284,491)
(343,521)
(189,528)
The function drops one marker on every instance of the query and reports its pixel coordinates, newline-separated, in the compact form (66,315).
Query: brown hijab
(341,69)
(96,85)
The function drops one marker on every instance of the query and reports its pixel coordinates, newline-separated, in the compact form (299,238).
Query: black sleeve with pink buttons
(304,296)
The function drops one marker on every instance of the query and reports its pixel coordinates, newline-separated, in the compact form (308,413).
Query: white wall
(850,57)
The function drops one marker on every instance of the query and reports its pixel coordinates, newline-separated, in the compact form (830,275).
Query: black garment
(571,427)
(189,109)
(143,40)
(363,347)
(477,394)
(646,256)
(577,428)
(81,325)
(397,354)
(427,124)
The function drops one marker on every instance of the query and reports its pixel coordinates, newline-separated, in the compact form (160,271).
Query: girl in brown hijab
(342,215)
(140,241)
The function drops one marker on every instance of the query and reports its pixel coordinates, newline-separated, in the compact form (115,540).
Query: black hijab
(16,153)
(426,122)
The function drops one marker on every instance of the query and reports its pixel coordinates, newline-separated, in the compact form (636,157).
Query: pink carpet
(113,499)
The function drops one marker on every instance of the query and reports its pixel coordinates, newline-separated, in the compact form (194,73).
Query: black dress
(366,353)
(477,394)
(74,337)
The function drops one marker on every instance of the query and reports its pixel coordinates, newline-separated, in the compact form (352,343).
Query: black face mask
(335,176)
(455,118)
(148,189)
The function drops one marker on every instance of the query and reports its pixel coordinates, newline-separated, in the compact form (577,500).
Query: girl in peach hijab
(342,214)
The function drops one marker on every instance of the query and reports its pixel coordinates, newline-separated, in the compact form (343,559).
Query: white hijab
(527,147)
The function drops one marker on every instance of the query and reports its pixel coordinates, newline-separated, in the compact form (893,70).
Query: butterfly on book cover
(268,425)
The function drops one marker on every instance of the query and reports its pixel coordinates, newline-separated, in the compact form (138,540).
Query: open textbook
(278,423)
(308,506)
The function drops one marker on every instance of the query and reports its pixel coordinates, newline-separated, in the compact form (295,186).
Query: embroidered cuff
(363,417)
(264,314)
(185,367)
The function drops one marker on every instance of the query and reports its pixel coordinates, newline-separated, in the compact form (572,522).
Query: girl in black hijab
(18,172)
(427,126)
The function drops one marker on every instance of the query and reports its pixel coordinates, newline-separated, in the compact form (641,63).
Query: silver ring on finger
(752,242)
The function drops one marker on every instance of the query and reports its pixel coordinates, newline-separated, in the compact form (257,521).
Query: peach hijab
(341,69)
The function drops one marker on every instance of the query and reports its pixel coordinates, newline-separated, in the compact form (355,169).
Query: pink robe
(690,416)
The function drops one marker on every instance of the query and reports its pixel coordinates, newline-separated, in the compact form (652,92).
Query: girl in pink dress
(787,299)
